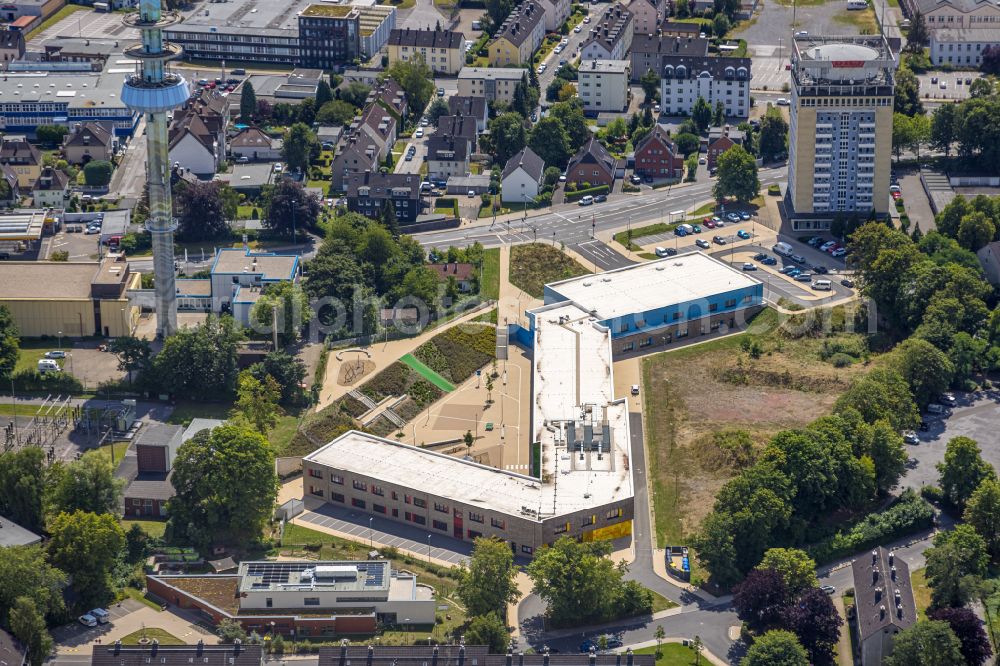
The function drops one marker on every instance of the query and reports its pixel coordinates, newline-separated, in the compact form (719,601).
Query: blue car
(743,234)
(769,261)
(795,272)
(788,269)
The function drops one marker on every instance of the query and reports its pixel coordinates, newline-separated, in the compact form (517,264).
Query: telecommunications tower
(153,91)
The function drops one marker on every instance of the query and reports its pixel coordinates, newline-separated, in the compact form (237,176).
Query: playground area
(355,365)
(499,428)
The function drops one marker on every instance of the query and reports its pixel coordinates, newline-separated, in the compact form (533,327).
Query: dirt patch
(693,393)
(352,372)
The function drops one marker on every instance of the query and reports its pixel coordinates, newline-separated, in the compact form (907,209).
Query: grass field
(33,350)
(489,280)
(8,409)
(863,20)
(185,411)
(151,632)
(534,265)
(921,592)
(154,528)
(716,386)
(118,450)
(137,595)
(427,373)
(673,654)
(661,603)
(622,237)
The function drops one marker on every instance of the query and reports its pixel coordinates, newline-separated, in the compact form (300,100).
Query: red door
(457,527)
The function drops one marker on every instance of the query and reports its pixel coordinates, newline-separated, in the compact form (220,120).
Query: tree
(773,141)
(22,483)
(917,37)
(488,630)
(507,135)
(298,146)
(776,648)
(285,305)
(288,208)
(687,143)
(962,470)
(87,484)
(906,99)
(570,114)
(97,173)
(27,624)
(199,363)
(955,566)
(975,645)
(26,572)
(468,439)
(416,79)
(660,634)
(520,100)
(438,108)
(289,371)
(137,543)
(248,102)
(761,598)
(336,112)
(814,620)
(720,25)
(926,643)
(797,569)
(944,128)
(86,546)
(201,211)
(719,114)
(577,581)
(880,395)
(737,175)
(225,485)
(550,141)
(981,87)
(323,94)
(927,369)
(133,354)
(257,402)
(10,345)
(489,584)
(701,113)
(975,230)
(355,93)
(230,631)
(51,135)
(982,511)
(650,82)
(888,453)
(388,218)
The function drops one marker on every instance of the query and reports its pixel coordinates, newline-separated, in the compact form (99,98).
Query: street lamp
(428,548)
(59,334)
(371,538)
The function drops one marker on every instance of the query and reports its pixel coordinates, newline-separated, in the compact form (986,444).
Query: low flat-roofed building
(465,655)
(237,654)
(23,225)
(303,598)
(75,298)
(650,305)
(12,534)
(239,276)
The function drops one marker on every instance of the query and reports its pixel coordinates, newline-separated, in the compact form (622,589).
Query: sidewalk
(844,656)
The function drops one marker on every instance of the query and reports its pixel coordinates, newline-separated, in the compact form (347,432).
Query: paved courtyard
(128,617)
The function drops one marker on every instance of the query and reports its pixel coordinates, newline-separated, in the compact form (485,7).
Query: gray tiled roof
(446,39)
(528,160)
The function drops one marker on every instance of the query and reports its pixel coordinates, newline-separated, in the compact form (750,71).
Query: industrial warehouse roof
(78,90)
(22,225)
(64,280)
(652,285)
(272,266)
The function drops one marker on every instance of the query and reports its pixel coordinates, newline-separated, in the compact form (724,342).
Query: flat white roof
(604,66)
(652,285)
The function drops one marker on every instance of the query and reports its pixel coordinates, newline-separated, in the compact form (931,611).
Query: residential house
(367,192)
(380,125)
(656,156)
(611,37)
(355,154)
(447,156)
(10,191)
(720,140)
(12,534)
(459,127)
(462,655)
(116,654)
(963,47)
(989,259)
(883,603)
(12,653)
(679,29)
(11,46)
(647,15)
(51,190)
(390,96)
(492,83)
(197,134)
(518,37)
(21,156)
(648,51)
(522,177)
(556,13)
(593,165)
(89,141)
(475,107)
(603,85)
(954,14)
(442,50)
(147,468)
(715,79)
(464,275)
(255,144)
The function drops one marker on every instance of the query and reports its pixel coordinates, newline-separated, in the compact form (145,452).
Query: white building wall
(194,156)
(518,185)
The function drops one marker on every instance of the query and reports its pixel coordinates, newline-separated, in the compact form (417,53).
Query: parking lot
(954,82)
(975,416)
(90,25)
(80,245)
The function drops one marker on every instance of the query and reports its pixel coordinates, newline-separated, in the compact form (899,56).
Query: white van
(822,285)
(782,248)
(102,615)
(48,365)
(857,4)
(664,251)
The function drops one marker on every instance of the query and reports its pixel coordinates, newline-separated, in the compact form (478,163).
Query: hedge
(579,194)
(34,381)
(910,513)
(774,190)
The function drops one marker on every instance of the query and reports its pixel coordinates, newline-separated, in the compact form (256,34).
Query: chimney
(874,574)
(510,655)
(461,655)
(892,572)
(628,657)
(545,657)
(371,652)
(201,647)
(593,656)
(434,656)
(874,556)
(520,658)
(891,557)
(881,612)
(237,645)
(118,647)
(155,646)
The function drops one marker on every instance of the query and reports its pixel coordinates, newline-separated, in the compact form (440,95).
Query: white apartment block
(611,37)
(686,78)
(603,85)
(556,13)
(493,83)
(962,47)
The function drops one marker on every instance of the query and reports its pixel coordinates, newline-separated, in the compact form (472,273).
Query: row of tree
(555,138)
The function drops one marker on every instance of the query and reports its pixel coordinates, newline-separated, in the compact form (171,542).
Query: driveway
(424,16)
(915,200)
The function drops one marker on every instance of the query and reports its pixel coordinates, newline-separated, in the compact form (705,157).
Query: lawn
(661,603)
(863,20)
(150,633)
(282,434)
(921,592)
(7,409)
(715,386)
(34,350)
(673,654)
(487,209)
(137,595)
(489,280)
(185,411)
(113,453)
(154,528)
(534,265)
(622,237)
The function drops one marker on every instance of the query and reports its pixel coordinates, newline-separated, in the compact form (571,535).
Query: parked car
(745,215)
(87,620)
(948,399)
(702,243)
(847,282)
(696,228)
(419,134)
(718,240)
(829,589)
(55,354)
(600,198)
(795,272)
(769,261)
(910,437)
(803,277)
(409,157)
(785,270)
(635,179)
(424,122)
(815,241)
(577,29)
(635,391)
(710,224)
(798,258)
(733,217)
(440,92)
(743,233)
(825,247)
(749,266)
(839,252)
(664,251)
(760,256)
(472,194)
(103,616)
(587,200)
(782,101)
(822,270)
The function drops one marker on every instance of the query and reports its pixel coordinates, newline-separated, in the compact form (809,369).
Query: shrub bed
(534,265)
(774,190)
(34,381)
(579,194)
(459,351)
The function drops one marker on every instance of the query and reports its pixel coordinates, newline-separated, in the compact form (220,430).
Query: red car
(896,195)
(835,246)
(708,223)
